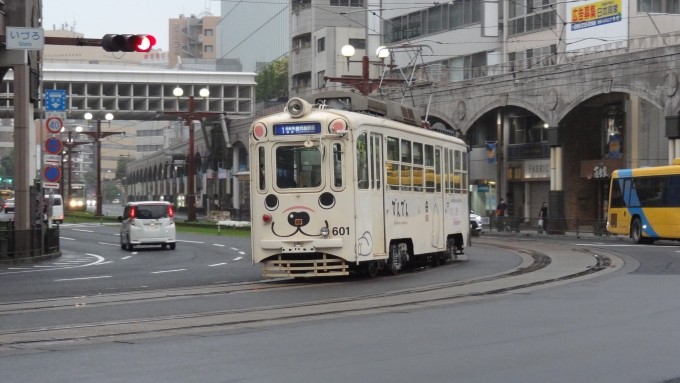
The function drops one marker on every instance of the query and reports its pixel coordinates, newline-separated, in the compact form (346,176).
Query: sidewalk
(528,233)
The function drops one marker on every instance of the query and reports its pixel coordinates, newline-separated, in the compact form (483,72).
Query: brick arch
(599,91)
(497,104)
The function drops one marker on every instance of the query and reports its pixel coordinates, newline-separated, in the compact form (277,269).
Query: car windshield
(152,211)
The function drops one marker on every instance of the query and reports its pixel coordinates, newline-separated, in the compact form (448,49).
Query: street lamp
(365,85)
(189,117)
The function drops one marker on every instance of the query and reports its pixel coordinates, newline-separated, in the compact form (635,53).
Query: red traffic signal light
(128,43)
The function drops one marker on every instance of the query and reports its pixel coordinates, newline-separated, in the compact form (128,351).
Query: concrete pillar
(235,160)
(671,150)
(556,209)
(677,149)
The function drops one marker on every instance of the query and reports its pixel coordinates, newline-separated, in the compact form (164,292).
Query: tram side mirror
(120,218)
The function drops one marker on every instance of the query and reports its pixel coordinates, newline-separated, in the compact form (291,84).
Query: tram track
(526,276)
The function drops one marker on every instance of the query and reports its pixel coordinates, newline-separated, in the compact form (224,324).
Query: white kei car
(147,223)
(475,222)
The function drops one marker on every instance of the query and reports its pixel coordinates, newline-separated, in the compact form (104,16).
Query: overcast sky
(95,18)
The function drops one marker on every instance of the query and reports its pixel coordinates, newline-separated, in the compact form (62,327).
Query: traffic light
(128,43)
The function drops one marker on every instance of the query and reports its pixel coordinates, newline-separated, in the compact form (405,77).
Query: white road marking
(17,268)
(134,253)
(103,263)
(43,266)
(238,258)
(68,239)
(215,244)
(218,264)
(233,248)
(117,234)
(72,265)
(179,240)
(80,279)
(630,245)
(108,244)
(86,231)
(167,271)
(242,253)
(129,256)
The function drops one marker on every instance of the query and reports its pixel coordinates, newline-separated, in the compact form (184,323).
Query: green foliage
(7,164)
(111,191)
(272,80)
(90,179)
(121,167)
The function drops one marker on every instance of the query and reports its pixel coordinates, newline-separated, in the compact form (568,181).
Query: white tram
(334,191)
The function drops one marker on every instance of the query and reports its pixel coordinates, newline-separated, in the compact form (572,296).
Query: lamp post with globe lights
(69,145)
(365,84)
(98,136)
(189,117)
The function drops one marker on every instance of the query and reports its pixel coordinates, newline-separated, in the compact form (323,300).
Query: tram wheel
(394,261)
(372,269)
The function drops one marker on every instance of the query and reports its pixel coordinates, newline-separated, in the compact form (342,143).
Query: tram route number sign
(52,173)
(53,145)
(54,124)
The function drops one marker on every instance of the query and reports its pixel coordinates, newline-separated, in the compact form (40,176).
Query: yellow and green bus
(644,203)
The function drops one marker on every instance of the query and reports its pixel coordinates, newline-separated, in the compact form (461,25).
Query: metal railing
(15,244)
(564,226)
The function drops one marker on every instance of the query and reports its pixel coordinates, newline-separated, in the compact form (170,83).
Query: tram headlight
(80,203)
(324,231)
(298,107)
(72,203)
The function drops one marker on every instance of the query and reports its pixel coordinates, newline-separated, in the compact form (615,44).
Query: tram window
(392,174)
(378,162)
(417,178)
(406,151)
(392,149)
(438,170)
(362,161)
(429,180)
(261,160)
(337,165)
(464,187)
(372,161)
(456,159)
(463,159)
(417,153)
(429,155)
(447,181)
(298,167)
(406,178)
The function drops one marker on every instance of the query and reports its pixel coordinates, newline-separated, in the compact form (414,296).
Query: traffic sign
(50,185)
(54,124)
(53,145)
(52,159)
(52,173)
(55,99)
(25,38)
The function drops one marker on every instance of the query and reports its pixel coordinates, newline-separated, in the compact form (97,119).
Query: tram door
(377,195)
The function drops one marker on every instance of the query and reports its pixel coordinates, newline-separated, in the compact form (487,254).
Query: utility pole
(98,136)
(189,117)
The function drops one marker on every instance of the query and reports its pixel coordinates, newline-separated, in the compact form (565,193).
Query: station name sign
(293,129)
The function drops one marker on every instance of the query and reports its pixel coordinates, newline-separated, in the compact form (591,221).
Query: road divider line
(103,263)
(129,256)
(238,258)
(179,240)
(233,248)
(218,264)
(215,244)
(80,279)
(108,244)
(167,271)
(68,239)
(85,231)
(242,253)
(134,253)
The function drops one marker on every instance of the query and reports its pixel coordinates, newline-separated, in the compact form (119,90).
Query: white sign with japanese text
(25,38)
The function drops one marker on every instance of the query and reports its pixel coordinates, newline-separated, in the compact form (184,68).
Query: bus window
(298,167)
(673,192)
(362,161)
(260,153)
(337,165)
(616,194)
(650,191)
(438,169)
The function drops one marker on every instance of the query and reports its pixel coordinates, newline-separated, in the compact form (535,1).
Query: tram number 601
(341,231)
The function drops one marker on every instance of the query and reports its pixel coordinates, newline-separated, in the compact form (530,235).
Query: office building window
(319,79)
(321,44)
(358,43)
(208,32)
(208,48)
(347,3)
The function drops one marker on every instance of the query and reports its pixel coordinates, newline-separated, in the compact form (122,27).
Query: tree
(7,164)
(91,179)
(121,167)
(111,191)
(272,80)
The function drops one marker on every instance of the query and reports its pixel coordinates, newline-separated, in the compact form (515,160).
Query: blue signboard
(302,128)
(55,100)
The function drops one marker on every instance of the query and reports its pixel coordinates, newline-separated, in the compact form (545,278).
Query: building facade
(192,37)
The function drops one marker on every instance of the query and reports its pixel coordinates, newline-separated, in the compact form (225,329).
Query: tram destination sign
(293,129)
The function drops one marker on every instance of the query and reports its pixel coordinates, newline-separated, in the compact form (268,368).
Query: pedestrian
(500,215)
(543,215)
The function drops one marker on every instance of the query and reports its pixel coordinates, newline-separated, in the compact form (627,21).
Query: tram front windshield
(298,167)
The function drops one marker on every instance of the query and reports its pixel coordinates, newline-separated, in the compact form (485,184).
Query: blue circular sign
(53,145)
(52,173)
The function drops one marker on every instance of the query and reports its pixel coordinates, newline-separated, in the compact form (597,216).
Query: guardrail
(564,226)
(15,244)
